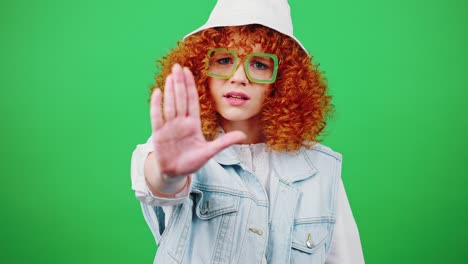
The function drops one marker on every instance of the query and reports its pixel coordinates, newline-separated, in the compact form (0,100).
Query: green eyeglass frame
(246,65)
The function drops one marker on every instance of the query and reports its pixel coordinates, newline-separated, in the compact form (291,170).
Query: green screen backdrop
(74,84)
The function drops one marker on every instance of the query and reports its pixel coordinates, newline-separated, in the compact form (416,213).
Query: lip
(237,94)
(236,98)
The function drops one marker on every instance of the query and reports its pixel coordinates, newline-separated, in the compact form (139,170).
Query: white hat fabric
(274,14)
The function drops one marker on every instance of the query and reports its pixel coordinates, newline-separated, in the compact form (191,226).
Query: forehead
(243,46)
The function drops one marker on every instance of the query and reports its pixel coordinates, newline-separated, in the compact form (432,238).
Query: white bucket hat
(274,14)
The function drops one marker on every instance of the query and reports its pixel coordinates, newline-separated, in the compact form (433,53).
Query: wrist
(168,186)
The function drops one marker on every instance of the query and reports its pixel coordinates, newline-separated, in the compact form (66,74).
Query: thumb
(225,141)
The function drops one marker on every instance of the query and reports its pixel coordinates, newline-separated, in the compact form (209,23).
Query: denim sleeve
(154,208)
(139,185)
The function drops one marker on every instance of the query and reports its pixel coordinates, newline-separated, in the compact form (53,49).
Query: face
(237,99)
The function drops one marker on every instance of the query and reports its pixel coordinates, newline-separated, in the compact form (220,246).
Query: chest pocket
(213,204)
(308,243)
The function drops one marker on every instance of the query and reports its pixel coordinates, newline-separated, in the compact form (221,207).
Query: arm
(177,148)
(140,185)
(169,187)
(156,210)
(180,148)
(346,244)
(161,168)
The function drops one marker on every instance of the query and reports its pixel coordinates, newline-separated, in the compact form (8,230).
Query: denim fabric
(228,218)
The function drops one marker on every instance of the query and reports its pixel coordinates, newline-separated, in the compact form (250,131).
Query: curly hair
(293,115)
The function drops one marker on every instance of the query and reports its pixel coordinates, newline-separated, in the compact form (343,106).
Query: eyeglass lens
(224,64)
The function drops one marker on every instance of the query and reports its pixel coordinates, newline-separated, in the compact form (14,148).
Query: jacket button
(256,231)
(309,242)
(204,210)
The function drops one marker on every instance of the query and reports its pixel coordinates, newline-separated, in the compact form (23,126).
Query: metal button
(309,242)
(204,210)
(256,231)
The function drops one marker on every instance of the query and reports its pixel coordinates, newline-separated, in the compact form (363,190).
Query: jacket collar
(292,167)
(227,156)
(289,167)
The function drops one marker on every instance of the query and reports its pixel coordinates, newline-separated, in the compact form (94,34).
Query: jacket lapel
(292,167)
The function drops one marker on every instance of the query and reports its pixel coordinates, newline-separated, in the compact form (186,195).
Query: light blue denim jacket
(228,218)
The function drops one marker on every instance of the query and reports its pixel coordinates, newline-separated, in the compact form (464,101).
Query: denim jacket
(228,217)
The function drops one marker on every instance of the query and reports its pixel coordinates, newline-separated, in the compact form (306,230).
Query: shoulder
(324,160)
(319,161)
(318,191)
(319,151)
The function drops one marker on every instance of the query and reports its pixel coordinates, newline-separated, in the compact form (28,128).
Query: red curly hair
(295,112)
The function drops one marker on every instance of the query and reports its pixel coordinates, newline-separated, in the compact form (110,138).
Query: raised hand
(180,147)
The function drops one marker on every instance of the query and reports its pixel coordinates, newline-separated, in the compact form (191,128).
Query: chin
(238,117)
(234,118)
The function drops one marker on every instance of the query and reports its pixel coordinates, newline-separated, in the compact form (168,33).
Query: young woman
(233,172)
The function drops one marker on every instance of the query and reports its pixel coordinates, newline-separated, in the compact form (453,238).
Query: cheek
(214,86)
(212,89)
(210,85)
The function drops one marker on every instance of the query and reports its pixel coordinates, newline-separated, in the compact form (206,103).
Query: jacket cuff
(178,198)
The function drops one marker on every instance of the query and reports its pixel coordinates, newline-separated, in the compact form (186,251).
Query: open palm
(179,144)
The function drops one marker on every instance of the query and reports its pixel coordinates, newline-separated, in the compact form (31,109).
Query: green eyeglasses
(259,67)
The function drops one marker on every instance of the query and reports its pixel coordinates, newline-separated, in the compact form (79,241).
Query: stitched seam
(291,229)
(173,258)
(244,234)
(307,250)
(181,247)
(331,225)
(202,187)
(315,220)
(221,238)
(151,225)
(327,153)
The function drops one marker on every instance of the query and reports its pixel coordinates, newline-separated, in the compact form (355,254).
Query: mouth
(236,95)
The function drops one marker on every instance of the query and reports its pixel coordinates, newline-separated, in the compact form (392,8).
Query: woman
(233,172)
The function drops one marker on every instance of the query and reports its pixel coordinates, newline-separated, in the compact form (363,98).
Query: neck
(251,129)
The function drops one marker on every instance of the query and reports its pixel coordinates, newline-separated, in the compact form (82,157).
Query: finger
(180,91)
(155,110)
(225,141)
(192,94)
(169,104)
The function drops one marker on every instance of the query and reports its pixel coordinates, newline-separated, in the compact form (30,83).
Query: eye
(258,65)
(224,61)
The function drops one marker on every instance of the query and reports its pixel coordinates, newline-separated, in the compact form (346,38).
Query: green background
(74,84)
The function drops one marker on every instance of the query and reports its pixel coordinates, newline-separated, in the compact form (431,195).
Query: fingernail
(176,66)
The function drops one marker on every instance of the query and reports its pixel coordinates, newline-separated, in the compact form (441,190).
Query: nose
(239,76)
